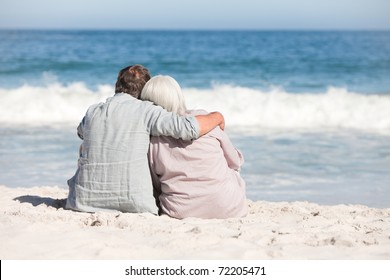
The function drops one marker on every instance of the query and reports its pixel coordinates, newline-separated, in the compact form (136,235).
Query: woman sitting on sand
(193,179)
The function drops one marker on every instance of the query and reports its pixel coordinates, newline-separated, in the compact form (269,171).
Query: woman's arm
(233,156)
(155,179)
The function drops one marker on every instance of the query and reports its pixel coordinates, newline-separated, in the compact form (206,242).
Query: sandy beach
(34,225)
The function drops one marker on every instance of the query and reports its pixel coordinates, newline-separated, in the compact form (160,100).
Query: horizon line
(194,29)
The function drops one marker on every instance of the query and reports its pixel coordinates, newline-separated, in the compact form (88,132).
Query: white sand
(33,225)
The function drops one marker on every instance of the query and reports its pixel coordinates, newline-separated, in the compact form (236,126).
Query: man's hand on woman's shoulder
(209,122)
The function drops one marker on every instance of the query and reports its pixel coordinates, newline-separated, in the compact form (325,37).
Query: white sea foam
(51,105)
(336,108)
(243,107)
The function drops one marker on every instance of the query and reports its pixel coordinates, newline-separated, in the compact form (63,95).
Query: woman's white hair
(166,92)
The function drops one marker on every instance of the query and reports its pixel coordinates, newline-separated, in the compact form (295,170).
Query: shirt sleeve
(160,122)
(80,129)
(233,156)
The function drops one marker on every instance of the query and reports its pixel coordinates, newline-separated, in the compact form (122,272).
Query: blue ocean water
(298,61)
(310,110)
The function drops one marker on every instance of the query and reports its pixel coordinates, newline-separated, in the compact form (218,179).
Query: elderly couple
(139,157)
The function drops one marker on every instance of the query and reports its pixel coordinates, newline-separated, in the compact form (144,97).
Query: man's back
(113,172)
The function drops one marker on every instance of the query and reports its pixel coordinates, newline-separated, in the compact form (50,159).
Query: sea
(309,110)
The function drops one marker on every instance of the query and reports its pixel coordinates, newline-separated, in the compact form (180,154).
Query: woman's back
(198,178)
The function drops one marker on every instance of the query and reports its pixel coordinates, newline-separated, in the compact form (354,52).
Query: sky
(195,14)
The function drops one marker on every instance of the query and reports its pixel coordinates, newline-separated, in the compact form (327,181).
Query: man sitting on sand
(113,172)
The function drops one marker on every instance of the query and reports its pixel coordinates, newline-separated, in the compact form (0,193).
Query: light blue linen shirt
(113,172)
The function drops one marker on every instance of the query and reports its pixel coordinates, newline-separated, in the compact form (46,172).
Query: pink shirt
(198,178)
